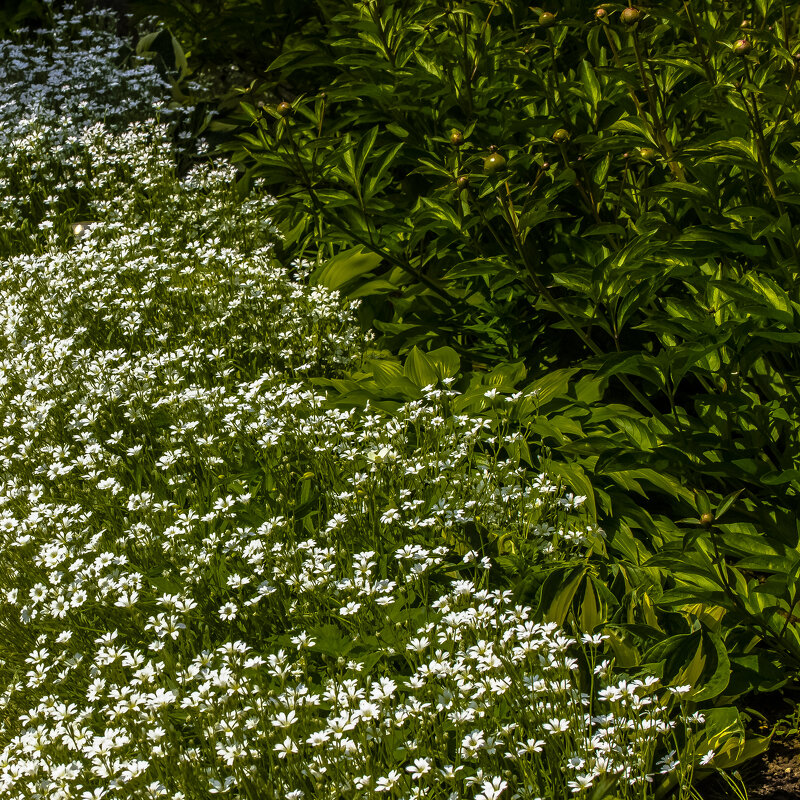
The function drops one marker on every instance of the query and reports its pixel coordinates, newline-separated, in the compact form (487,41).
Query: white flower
(318,738)
(530,746)
(350,609)
(450,772)
(387,783)
(668,762)
(706,759)
(286,747)
(492,789)
(420,767)
(284,719)
(390,515)
(557,725)
(580,783)
(595,639)
(418,644)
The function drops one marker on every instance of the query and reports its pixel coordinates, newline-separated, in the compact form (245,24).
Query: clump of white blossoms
(54,83)
(216,582)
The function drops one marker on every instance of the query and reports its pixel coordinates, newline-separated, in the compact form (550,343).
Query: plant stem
(483,28)
(763,149)
(558,308)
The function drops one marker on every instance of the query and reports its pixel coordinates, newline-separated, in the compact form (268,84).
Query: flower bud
(630,16)
(561,136)
(456,138)
(494,163)
(547,20)
(706,519)
(742,47)
(283,109)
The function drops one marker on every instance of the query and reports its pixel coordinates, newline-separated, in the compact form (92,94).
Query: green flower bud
(494,163)
(561,136)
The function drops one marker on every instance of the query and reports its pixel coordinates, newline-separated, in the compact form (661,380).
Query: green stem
(558,308)
(763,149)
(483,28)
(557,100)
(710,77)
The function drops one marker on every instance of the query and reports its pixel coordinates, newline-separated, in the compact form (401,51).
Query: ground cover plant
(596,201)
(217,577)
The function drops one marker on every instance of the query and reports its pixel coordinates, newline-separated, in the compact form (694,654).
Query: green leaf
(575,476)
(774,295)
(365,148)
(373,181)
(742,544)
(664,481)
(635,126)
(718,681)
(445,361)
(344,267)
(590,82)
(682,656)
(744,752)
(330,641)
(591,612)
(420,369)
(782,565)
(377,286)
(625,654)
(385,372)
(726,503)
(637,432)
(562,602)
(397,130)
(778,478)
(552,384)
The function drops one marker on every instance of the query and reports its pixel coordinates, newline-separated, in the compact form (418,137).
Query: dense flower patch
(214,581)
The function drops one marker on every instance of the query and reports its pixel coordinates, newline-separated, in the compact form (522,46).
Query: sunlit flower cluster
(215,579)
(48,97)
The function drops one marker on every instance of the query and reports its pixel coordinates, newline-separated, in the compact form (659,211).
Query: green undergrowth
(422,423)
